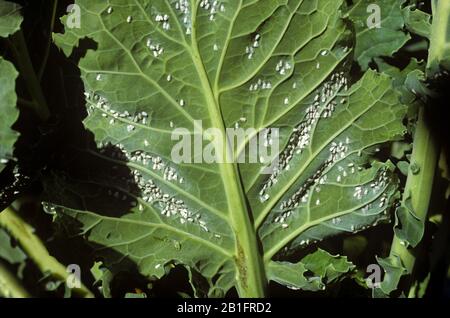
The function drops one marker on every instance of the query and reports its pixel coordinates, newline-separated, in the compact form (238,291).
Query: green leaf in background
(9,252)
(321,268)
(10,113)
(417,21)
(393,272)
(10,18)
(410,82)
(312,273)
(408,227)
(284,64)
(377,41)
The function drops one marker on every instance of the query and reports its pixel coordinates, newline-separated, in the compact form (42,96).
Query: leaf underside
(149,75)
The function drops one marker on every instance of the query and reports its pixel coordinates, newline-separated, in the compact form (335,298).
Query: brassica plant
(213,148)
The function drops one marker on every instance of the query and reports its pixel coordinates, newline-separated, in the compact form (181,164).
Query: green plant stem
(49,43)
(419,186)
(251,280)
(22,57)
(10,286)
(439,44)
(35,249)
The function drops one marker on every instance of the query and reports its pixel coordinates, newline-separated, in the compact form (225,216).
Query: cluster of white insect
(329,91)
(376,186)
(169,206)
(300,196)
(255,43)
(97,102)
(212,6)
(145,159)
(322,106)
(379,204)
(155,48)
(260,85)
(163,19)
(183,7)
(343,172)
(282,67)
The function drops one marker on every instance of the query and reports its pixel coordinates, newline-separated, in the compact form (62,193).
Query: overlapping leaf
(8,137)
(161,65)
(10,20)
(312,273)
(417,21)
(379,29)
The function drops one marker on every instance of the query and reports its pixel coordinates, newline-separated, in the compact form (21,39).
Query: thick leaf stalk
(250,270)
(418,187)
(439,52)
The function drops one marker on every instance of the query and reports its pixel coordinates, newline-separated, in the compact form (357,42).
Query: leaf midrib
(250,272)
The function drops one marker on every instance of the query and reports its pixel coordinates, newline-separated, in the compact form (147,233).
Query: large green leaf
(160,65)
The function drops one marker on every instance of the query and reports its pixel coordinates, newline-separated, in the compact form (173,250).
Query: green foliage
(382,40)
(8,252)
(322,269)
(10,20)
(10,113)
(417,21)
(340,92)
(152,239)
